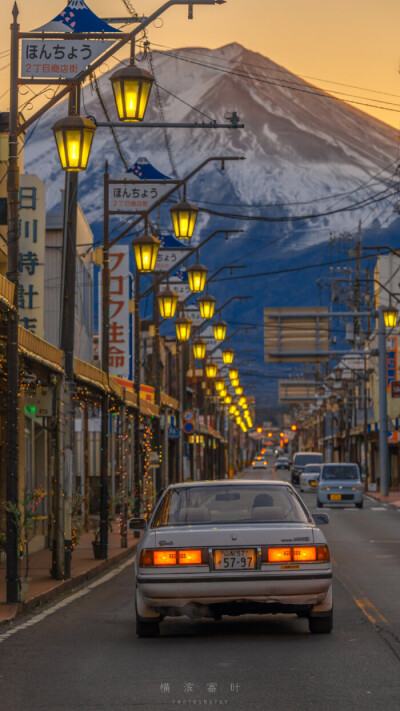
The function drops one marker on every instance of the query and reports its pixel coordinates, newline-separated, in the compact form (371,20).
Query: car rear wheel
(319,504)
(360,505)
(321,625)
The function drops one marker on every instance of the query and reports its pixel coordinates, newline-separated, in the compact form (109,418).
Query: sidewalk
(43,587)
(393,498)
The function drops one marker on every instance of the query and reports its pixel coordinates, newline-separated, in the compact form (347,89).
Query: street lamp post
(383,417)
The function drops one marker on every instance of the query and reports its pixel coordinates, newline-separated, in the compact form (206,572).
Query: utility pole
(13,581)
(105,366)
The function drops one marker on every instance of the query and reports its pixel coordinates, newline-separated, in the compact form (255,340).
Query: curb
(64,586)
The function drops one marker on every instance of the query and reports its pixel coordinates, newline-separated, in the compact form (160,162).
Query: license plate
(335,497)
(313,483)
(235,559)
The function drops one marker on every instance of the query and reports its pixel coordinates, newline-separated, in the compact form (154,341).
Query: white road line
(66,601)
(378,508)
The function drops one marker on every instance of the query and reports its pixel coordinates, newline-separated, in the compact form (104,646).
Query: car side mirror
(137,524)
(320,518)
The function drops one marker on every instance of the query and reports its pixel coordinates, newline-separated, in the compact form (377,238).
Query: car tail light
(196,556)
(164,558)
(304,554)
(190,557)
(295,554)
(279,555)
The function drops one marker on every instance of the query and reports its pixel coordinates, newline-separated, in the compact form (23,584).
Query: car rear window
(196,505)
(312,468)
(302,459)
(337,471)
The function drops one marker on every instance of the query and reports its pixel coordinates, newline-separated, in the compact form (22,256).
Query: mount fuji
(314,166)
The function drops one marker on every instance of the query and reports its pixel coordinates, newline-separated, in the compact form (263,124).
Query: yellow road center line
(365,605)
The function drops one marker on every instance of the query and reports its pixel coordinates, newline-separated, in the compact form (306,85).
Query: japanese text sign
(119,326)
(391,360)
(59,58)
(131,196)
(32,215)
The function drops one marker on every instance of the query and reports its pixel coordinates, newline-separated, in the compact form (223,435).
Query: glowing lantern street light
(74,136)
(228,399)
(199,348)
(146,249)
(184,216)
(232,409)
(131,86)
(242,401)
(167,301)
(228,355)
(211,370)
(223,393)
(233,373)
(239,390)
(219,384)
(390,315)
(197,275)
(183,327)
(207,306)
(235,382)
(219,328)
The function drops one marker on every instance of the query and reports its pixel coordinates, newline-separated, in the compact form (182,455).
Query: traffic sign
(173,432)
(188,415)
(188,427)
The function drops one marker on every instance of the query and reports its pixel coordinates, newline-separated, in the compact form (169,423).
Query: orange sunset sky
(352,42)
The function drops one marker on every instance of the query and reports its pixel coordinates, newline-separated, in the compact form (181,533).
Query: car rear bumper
(171,592)
(347,497)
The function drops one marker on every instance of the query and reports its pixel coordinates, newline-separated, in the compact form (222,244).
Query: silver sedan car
(228,548)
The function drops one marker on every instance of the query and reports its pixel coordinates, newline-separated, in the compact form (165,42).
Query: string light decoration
(148,492)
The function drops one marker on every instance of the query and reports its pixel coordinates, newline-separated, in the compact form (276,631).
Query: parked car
(300,460)
(259,463)
(309,478)
(232,547)
(282,463)
(340,483)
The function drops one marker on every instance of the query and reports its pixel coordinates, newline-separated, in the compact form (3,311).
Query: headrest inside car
(267,513)
(194,515)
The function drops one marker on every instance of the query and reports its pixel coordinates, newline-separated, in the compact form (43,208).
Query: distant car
(340,484)
(309,478)
(282,463)
(259,463)
(232,548)
(300,460)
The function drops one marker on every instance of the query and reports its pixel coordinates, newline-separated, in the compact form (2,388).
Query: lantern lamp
(235,382)
(242,401)
(223,392)
(219,328)
(233,373)
(184,216)
(74,136)
(167,301)
(183,327)
(131,86)
(239,390)
(199,348)
(228,355)
(390,315)
(219,384)
(238,419)
(207,306)
(211,370)
(197,275)
(228,399)
(232,409)
(146,249)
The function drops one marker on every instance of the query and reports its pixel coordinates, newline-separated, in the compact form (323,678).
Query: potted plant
(24,514)
(96,543)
